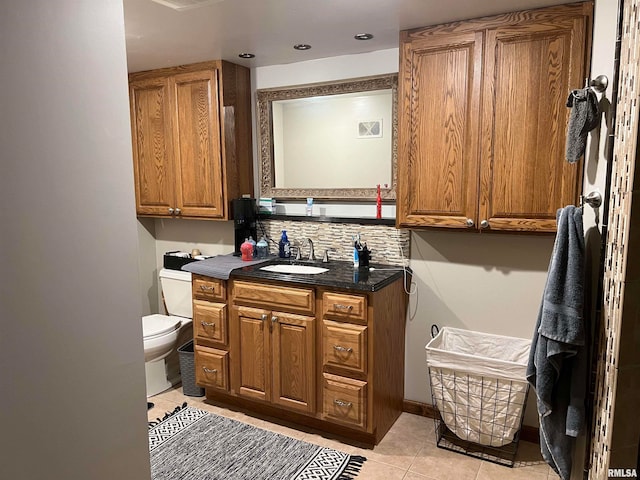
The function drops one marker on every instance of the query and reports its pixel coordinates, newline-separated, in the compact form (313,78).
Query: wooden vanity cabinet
(483,119)
(319,356)
(191,131)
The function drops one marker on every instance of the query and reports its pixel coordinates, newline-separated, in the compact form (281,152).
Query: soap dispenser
(284,246)
(263,248)
(253,245)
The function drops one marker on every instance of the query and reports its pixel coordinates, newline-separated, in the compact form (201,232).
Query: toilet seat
(154,326)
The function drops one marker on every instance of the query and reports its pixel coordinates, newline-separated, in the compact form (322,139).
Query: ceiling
(158,36)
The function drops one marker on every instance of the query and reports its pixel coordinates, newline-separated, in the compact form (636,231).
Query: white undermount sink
(300,269)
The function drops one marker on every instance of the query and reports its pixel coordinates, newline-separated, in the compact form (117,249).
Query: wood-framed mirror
(332,140)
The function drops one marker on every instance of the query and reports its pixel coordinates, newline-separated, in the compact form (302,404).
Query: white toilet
(161,332)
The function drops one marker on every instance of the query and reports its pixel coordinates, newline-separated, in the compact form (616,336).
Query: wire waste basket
(479,389)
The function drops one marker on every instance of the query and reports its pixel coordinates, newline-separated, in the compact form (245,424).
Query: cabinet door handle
(207,288)
(210,370)
(470,222)
(171,211)
(178,211)
(338,306)
(263,317)
(207,324)
(342,403)
(340,348)
(274,319)
(484,224)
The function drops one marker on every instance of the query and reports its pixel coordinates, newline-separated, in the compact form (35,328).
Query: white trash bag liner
(478,383)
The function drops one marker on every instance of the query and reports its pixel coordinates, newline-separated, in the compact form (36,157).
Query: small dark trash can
(188,371)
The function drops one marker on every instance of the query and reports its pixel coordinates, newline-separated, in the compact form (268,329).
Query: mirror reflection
(331,140)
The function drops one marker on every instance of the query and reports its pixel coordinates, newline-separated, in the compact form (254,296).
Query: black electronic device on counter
(244,213)
(173,262)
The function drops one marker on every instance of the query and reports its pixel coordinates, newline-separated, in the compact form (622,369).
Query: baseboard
(419,408)
(527,433)
(530,434)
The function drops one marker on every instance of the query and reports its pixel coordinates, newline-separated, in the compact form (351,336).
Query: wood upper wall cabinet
(191,129)
(483,119)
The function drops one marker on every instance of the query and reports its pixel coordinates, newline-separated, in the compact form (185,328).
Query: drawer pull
(207,288)
(207,324)
(210,370)
(340,348)
(342,403)
(338,306)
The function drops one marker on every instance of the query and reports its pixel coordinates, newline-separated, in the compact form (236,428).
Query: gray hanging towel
(584,117)
(557,367)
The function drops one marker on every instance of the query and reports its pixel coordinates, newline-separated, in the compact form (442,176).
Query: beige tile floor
(407,452)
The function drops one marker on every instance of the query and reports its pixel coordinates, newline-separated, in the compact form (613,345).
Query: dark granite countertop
(340,275)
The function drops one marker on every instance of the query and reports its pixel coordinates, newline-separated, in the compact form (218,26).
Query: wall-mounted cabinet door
(529,71)
(439,115)
(153,161)
(197,144)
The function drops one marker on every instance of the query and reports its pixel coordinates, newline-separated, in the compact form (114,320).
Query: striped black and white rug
(191,444)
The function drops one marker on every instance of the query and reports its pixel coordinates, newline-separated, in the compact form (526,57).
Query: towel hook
(600,83)
(593,199)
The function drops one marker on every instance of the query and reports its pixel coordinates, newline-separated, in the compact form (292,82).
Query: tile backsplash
(388,244)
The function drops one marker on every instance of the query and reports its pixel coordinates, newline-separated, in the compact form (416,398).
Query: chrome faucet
(312,255)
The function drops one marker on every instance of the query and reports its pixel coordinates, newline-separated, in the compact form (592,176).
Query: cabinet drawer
(344,400)
(286,299)
(212,368)
(206,288)
(210,321)
(340,306)
(344,345)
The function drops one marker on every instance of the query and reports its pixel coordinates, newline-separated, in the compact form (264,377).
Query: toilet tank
(176,290)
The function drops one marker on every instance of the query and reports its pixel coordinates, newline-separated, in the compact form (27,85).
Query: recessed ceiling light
(246,55)
(180,5)
(363,36)
(302,46)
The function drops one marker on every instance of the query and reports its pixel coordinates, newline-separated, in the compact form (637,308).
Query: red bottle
(378,204)
(246,249)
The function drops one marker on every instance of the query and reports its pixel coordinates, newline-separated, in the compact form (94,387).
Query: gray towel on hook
(584,117)
(557,367)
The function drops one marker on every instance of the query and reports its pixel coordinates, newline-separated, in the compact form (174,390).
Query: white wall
(73,390)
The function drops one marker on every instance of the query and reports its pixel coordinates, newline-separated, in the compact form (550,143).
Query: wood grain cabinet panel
(212,368)
(191,132)
(297,300)
(439,120)
(483,119)
(206,288)
(293,353)
(525,176)
(254,359)
(344,346)
(344,400)
(345,307)
(153,162)
(197,144)
(210,321)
